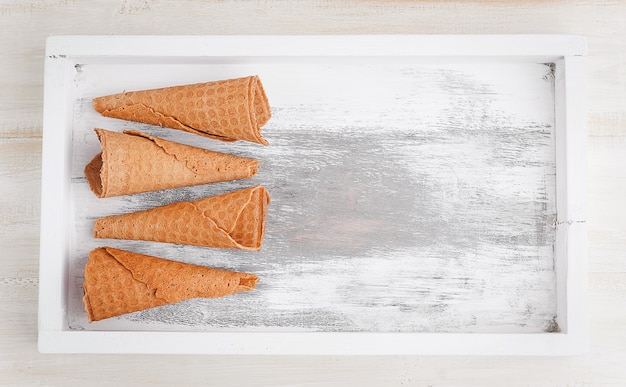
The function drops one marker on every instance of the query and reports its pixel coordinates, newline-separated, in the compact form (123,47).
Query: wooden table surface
(26,24)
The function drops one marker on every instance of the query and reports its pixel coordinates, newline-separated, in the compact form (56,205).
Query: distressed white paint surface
(26,23)
(406,196)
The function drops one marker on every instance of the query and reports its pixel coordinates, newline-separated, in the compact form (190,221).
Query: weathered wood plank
(406,197)
(21,63)
(20,179)
(607,214)
(22,365)
(26,24)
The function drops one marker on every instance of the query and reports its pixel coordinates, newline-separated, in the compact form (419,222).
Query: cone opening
(93,174)
(251,219)
(267,112)
(260,117)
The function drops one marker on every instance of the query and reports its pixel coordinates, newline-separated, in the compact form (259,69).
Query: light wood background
(24,27)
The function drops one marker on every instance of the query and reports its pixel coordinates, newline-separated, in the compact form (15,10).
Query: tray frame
(567,52)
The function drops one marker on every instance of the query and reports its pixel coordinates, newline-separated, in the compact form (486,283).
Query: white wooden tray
(428,195)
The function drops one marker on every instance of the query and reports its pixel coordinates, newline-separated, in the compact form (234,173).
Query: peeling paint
(419,200)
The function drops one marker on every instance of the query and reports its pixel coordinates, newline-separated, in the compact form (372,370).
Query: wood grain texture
(25,26)
(411,197)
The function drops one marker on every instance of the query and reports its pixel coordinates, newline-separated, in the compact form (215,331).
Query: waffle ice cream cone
(133,162)
(231,220)
(119,282)
(227,110)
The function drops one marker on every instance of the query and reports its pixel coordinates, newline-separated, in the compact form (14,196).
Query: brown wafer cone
(227,110)
(231,220)
(133,162)
(119,282)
